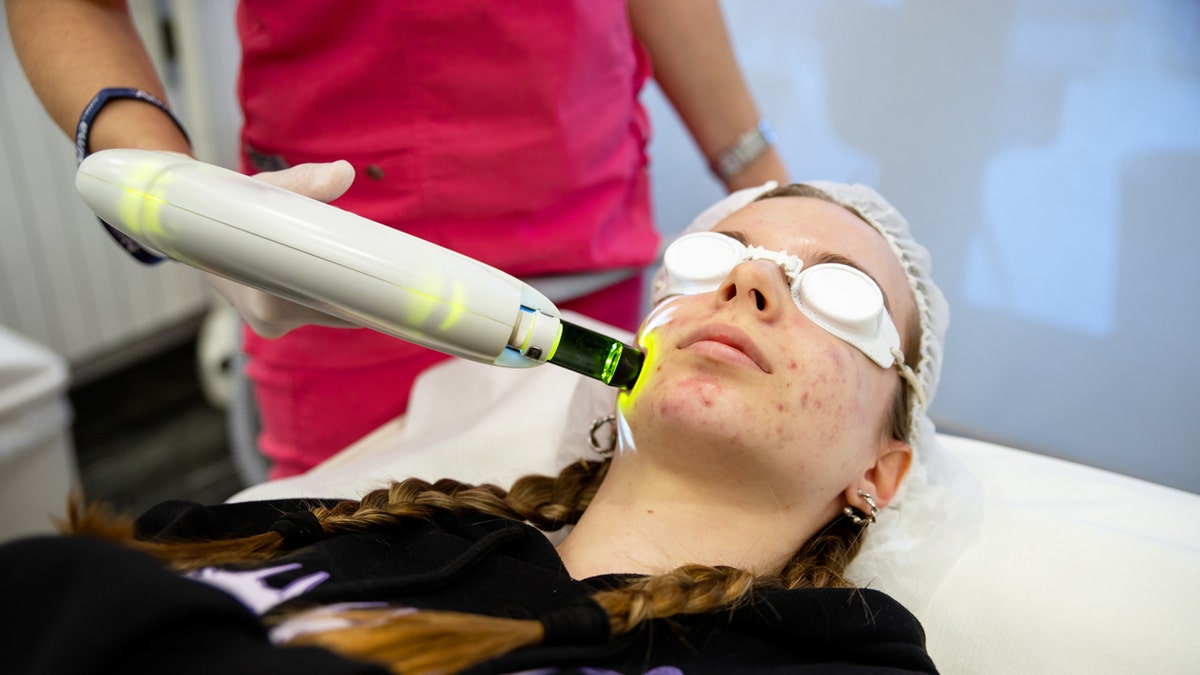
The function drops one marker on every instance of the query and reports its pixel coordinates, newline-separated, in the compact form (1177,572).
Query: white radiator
(63,282)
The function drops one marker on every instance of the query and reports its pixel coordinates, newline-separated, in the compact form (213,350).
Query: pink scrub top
(508,131)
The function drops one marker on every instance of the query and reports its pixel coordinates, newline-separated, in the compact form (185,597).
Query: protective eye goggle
(840,299)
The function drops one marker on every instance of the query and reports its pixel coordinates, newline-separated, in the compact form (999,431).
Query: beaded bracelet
(82,133)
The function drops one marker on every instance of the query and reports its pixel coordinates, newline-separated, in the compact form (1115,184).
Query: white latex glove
(269,315)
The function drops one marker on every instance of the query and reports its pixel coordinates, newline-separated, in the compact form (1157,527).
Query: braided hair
(436,641)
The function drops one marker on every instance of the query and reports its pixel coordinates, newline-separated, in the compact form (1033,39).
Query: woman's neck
(646,520)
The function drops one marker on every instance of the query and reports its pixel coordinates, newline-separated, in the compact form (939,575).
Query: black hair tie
(583,622)
(298,529)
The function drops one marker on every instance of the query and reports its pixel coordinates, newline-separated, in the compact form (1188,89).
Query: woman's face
(746,388)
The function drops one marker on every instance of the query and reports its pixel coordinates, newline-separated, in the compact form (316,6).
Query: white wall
(1048,153)
(63,283)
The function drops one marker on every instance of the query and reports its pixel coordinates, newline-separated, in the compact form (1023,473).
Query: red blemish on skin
(779,407)
(804,400)
(649,510)
(792,365)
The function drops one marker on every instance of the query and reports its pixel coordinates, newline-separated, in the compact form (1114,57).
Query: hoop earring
(857,516)
(599,423)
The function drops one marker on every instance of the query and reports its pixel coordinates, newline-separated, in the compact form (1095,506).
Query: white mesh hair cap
(936,513)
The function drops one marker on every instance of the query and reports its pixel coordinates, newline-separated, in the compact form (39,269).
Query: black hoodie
(78,605)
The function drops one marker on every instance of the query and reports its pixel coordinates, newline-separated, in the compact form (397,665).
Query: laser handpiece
(318,255)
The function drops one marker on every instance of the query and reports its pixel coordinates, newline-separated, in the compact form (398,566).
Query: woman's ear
(883,479)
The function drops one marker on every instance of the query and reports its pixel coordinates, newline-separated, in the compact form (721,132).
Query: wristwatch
(747,148)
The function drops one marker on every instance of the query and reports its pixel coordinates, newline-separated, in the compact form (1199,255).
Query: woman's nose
(756,285)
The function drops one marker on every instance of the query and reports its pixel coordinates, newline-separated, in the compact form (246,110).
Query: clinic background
(1047,152)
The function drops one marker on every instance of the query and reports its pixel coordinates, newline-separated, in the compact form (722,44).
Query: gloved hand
(268,315)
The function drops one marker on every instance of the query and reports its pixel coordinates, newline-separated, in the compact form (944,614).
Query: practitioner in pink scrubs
(510,132)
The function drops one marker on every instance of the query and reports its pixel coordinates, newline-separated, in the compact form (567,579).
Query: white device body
(320,256)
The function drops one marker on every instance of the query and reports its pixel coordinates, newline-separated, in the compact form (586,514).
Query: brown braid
(548,503)
(822,561)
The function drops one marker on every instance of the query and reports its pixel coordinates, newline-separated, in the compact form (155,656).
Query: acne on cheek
(822,403)
(815,393)
(703,399)
(675,406)
(841,381)
(836,430)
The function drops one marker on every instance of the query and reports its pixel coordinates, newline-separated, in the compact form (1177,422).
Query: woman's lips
(726,343)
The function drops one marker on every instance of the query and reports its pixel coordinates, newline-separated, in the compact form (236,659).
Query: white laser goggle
(840,299)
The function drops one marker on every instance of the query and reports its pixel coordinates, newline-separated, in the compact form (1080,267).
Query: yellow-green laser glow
(558,335)
(648,343)
(596,355)
(456,309)
(611,361)
(140,211)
